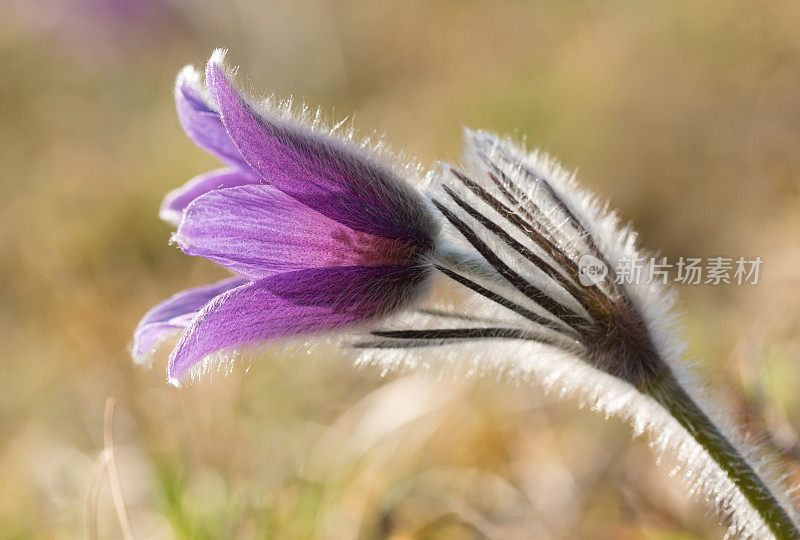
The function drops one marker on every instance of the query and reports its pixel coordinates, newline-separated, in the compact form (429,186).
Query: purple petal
(292,304)
(201,122)
(257,231)
(178,199)
(174,314)
(322,172)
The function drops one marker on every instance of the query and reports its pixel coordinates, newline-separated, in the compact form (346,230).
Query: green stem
(680,405)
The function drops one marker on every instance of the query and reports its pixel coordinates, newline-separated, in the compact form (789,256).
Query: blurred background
(685,114)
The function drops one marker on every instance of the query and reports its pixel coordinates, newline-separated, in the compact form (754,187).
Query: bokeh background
(686,114)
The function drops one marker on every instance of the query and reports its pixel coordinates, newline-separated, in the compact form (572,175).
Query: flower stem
(669,393)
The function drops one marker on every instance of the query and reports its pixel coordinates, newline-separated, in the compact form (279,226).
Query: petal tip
(170,216)
(188,88)
(216,65)
(218,56)
(138,353)
(218,75)
(188,76)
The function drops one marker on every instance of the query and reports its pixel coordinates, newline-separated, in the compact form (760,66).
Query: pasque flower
(323,236)
(320,234)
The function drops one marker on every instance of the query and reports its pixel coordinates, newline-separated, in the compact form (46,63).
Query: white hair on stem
(567,377)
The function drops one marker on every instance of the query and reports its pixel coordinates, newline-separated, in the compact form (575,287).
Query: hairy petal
(320,171)
(258,231)
(174,313)
(201,122)
(293,304)
(178,199)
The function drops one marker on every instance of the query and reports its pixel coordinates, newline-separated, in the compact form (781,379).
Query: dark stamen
(528,314)
(505,186)
(454,333)
(574,290)
(573,219)
(530,229)
(401,339)
(532,292)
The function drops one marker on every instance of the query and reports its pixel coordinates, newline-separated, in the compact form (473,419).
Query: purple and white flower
(321,235)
